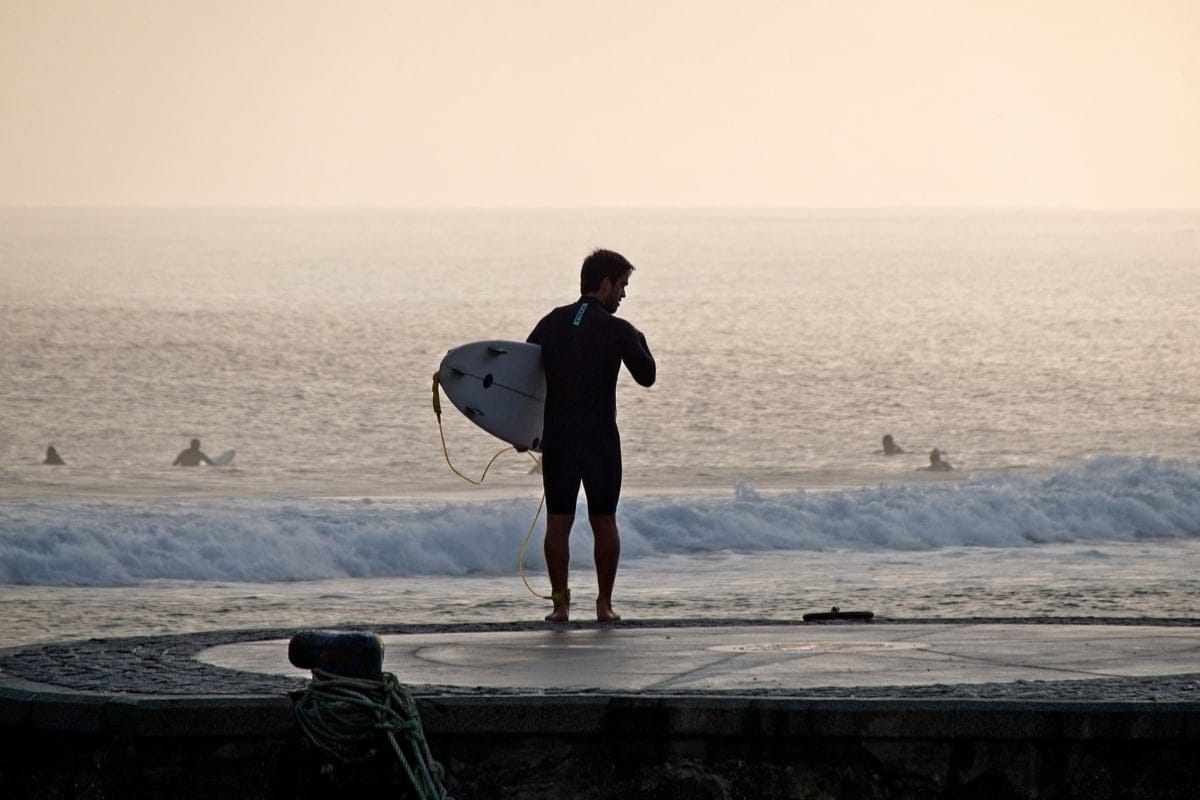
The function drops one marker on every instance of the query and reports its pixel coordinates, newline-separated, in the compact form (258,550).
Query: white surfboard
(225,459)
(500,386)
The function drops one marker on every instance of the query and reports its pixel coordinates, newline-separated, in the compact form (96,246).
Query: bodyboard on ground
(500,386)
(225,459)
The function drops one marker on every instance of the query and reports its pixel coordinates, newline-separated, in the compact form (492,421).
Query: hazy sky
(572,103)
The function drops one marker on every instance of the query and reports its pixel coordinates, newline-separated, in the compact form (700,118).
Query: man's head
(604,275)
(195,444)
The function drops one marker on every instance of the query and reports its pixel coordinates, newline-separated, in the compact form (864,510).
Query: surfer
(890,448)
(936,464)
(53,458)
(192,457)
(583,346)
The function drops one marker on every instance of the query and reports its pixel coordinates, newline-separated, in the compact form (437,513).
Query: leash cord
(437,409)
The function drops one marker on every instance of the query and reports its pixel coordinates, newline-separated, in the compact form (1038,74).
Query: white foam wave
(108,543)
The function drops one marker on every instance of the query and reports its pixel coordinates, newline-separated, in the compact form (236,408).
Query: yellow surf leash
(437,409)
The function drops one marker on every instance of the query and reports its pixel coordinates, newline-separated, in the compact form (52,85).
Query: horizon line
(894,207)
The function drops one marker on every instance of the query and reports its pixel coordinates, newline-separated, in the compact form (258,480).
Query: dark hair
(599,265)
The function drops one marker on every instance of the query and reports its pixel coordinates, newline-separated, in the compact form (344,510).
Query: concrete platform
(778,658)
(1097,708)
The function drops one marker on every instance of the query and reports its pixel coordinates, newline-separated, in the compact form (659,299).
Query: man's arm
(638,358)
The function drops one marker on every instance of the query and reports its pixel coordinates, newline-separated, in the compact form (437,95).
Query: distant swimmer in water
(192,457)
(935,462)
(53,458)
(890,448)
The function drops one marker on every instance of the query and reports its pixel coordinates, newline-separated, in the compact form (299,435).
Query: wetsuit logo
(579,314)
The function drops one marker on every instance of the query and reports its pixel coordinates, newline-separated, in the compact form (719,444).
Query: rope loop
(353,720)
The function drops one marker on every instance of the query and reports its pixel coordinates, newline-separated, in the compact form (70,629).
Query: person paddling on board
(192,457)
(583,346)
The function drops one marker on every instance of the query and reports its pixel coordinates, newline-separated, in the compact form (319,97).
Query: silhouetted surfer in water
(935,462)
(53,458)
(192,457)
(890,448)
(583,347)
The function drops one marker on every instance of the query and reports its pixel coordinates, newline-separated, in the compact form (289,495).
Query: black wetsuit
(583,346)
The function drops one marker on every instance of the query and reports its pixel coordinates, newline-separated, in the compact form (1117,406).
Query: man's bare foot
(605,613)
(562,606)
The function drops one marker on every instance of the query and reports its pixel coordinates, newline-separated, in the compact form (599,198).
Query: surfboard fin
(497,351)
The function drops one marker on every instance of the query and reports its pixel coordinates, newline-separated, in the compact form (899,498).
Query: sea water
(1049,354)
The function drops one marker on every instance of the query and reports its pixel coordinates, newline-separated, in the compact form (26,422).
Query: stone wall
(614,764)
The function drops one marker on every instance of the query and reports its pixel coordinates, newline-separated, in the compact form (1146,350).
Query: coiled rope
(348,718)
(437,409)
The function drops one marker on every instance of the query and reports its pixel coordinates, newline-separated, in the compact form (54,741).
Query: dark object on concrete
(350,654)
(835,614)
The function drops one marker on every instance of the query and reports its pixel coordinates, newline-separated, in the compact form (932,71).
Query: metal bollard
(349,654)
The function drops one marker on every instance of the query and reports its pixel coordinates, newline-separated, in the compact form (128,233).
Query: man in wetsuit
(192,457)
(583,346)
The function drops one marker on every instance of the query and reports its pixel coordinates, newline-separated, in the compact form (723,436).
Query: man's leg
(607,552)
(557,548)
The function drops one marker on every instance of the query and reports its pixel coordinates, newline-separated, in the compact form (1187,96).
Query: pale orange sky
(562,103)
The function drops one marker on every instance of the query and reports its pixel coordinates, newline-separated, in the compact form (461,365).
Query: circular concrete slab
(739,658)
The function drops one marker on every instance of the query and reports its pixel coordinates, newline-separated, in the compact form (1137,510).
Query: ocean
(1049,354)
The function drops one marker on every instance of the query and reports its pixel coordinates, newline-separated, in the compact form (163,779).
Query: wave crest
(106,544)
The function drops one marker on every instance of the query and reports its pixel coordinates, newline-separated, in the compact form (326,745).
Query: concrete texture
(1059,708)
(774,658)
